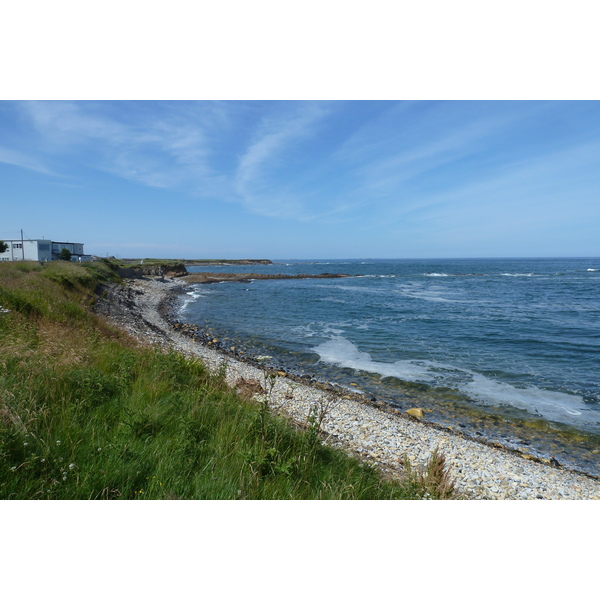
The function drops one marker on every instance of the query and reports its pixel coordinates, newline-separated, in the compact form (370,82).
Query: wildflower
(58,442)
(13,468)
(25,444)
(71,466)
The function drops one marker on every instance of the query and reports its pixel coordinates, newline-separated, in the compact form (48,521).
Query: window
(17,245)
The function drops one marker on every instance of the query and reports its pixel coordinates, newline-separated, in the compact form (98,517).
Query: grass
(86,413)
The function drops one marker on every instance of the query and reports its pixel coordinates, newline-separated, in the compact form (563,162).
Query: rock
(415,412)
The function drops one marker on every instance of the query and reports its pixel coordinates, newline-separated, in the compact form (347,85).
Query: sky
(304,179)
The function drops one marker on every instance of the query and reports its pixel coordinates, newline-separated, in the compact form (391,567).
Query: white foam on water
(430,294)
(193,295)
(593,270)
(436,274)
(517,274)
(550,405)
(306,330)
(554,406)
(343,353)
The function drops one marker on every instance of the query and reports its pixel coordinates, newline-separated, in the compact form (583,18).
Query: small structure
(42,250)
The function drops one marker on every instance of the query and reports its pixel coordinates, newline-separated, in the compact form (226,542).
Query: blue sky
(304,179)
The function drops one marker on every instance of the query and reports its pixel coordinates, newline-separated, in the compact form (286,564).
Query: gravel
(379,436)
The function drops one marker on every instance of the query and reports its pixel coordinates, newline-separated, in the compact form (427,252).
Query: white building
(41,250)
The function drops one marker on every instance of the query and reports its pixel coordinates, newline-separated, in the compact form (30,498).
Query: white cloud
(155,145)
(261,193)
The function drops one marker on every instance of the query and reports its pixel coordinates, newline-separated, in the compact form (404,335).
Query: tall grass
(85,413)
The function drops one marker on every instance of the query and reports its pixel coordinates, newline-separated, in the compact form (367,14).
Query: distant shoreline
(200,261)
(245,277)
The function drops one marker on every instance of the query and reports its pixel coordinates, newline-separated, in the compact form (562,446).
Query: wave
(342,352)
(551,405)
(554,406)
(477,274)
(193,295)
(593,270)
(429,294)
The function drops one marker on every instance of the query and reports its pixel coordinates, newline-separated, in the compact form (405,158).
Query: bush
(65,254)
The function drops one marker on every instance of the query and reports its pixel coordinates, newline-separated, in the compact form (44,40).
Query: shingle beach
(380,437)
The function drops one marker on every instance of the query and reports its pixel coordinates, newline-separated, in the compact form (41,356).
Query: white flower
(58,442)
(71,466)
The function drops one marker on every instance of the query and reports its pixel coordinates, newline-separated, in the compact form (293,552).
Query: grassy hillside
(86,413)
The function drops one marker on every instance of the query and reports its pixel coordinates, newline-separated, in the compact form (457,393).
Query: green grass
(86,413)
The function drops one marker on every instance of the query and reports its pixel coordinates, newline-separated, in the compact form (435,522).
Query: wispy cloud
(422,149)
(18,159)
(256,179)
(156,146)
(518,203)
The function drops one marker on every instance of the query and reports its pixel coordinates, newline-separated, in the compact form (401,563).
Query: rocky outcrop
(159,270)
(245,277)
(243,261)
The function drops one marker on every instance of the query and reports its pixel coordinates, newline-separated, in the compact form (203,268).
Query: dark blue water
(521,336)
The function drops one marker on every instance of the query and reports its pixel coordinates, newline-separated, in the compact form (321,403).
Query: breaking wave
(551,405)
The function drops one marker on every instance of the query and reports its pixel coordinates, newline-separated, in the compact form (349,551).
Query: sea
(502,350)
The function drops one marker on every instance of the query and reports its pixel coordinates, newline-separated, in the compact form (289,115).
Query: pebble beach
(376,435)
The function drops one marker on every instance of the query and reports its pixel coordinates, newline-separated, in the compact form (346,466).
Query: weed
(434,479)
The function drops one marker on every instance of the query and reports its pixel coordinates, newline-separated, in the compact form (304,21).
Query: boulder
(415,412)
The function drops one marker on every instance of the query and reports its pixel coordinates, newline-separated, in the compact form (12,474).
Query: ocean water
(507,349)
